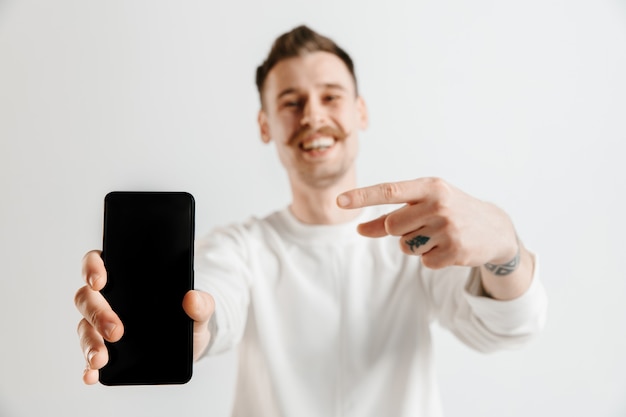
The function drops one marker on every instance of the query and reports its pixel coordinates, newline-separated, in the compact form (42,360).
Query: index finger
(386,193)
(94,272)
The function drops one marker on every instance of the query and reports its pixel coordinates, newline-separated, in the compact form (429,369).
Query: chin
(323,180)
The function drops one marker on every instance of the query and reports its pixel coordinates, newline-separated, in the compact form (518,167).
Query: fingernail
(92,280)
(90,356)
(108,329)
(343,200)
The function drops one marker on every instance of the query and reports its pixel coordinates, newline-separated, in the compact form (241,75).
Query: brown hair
(300,41)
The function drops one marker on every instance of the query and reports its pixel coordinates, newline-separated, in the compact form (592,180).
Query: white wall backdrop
(520,103)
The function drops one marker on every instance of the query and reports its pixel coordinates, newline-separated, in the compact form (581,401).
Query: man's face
(311,112)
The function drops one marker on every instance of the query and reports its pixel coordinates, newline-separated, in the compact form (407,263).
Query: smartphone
(148,254)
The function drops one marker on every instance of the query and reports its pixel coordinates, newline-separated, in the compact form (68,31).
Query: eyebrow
(292,90)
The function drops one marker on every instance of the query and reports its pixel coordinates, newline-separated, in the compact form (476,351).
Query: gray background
(519,103)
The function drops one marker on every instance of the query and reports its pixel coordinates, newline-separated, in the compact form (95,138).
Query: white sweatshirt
(330,323)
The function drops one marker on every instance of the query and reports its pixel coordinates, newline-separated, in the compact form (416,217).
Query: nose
(313,115)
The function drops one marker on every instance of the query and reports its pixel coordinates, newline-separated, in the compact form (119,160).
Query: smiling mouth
(320,143)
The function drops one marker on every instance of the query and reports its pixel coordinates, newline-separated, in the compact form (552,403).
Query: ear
(363,116)
(264,127)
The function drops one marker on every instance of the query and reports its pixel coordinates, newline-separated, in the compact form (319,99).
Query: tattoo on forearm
(507,268)
(416,242)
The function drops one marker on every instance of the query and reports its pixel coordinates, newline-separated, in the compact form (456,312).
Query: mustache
(306,131)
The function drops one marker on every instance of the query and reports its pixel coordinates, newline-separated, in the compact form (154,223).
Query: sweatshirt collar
(322,233)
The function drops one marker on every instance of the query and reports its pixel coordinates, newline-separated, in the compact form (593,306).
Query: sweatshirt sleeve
(483,323)
(221,269)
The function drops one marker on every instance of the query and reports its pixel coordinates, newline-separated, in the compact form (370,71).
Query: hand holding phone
(100,320)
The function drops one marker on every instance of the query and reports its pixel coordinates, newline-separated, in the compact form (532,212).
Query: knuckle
(86,338)
(81,296)
(450,228)
(407,250)
(363,196)
(391,226)
(440,205)
(82,327)
(436,182)
(358,197)
(390,191)
(93,317)
(405,247)
(440,188)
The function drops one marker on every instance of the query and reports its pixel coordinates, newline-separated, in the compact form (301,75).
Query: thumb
(373,228)
(199,306)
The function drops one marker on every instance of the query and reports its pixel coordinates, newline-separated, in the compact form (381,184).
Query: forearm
(508,282)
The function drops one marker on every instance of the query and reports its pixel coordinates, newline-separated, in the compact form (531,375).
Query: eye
(331,98)
(291,104)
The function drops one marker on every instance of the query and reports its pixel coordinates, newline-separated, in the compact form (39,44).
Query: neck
(312,205)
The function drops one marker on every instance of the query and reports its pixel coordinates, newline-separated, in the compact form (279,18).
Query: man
(330,321)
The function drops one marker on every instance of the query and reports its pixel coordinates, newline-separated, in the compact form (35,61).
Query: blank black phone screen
(148,254)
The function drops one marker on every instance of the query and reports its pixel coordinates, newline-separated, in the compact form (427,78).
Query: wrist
(507,267)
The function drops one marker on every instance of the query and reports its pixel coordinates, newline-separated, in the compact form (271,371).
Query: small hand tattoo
(505,269)
(416,242)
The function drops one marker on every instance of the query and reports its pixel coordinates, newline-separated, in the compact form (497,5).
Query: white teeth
(318,143)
